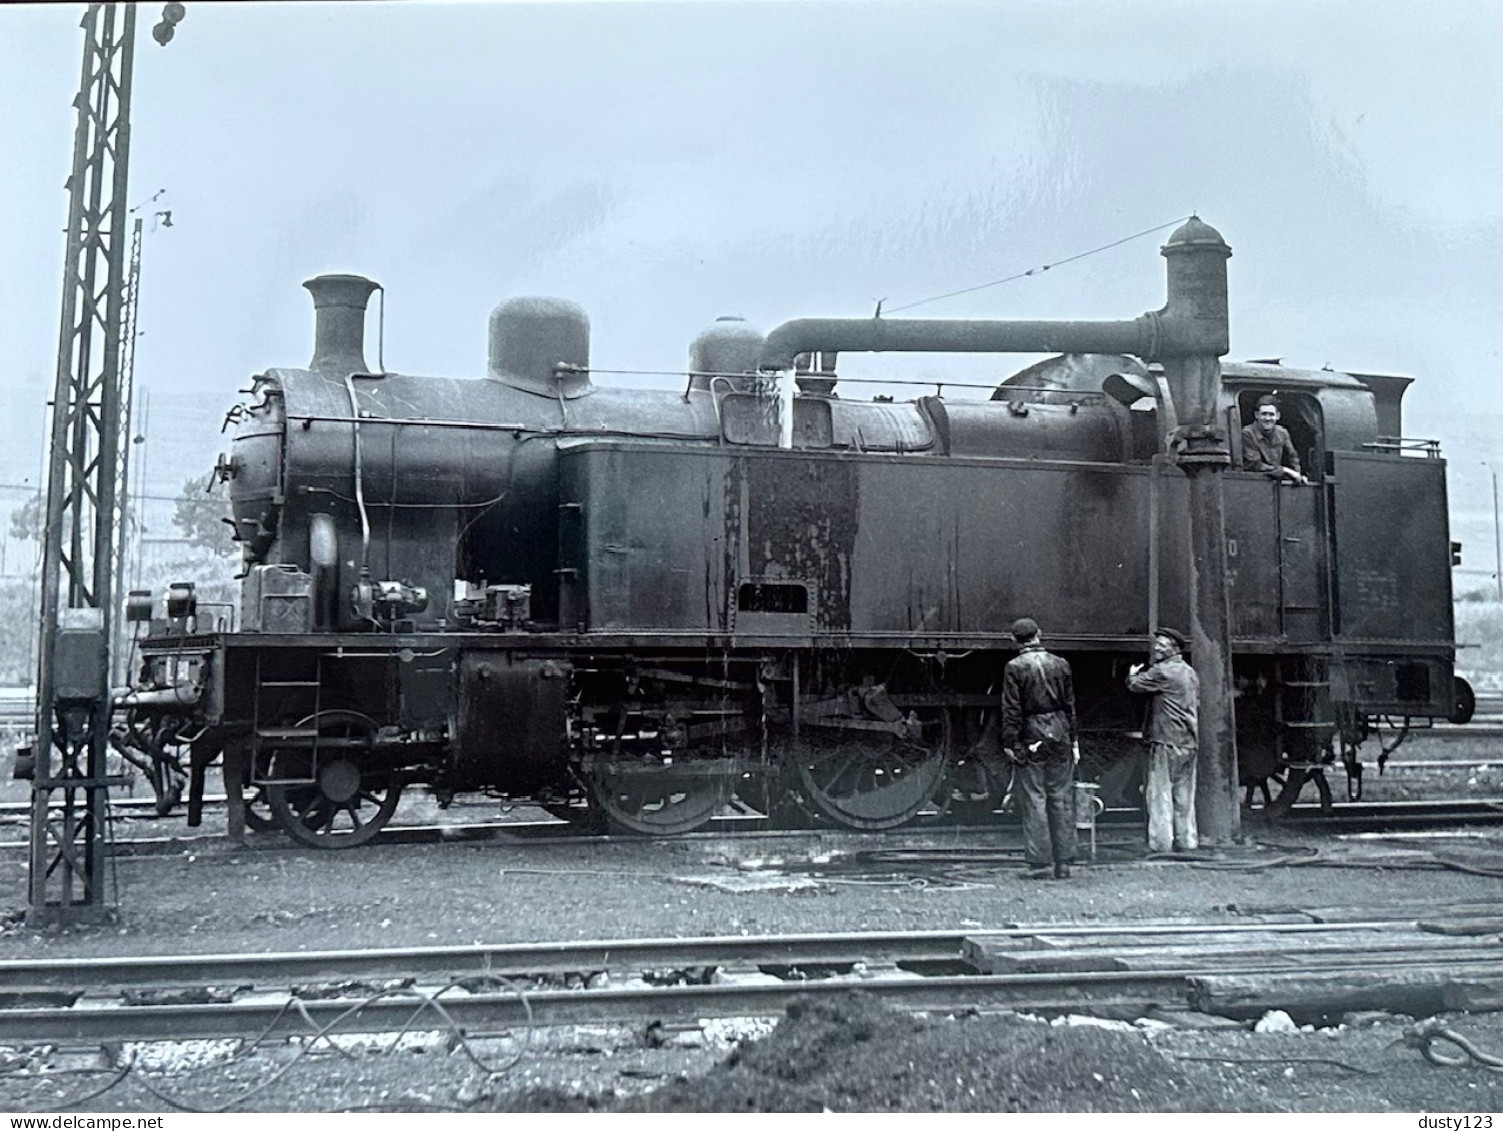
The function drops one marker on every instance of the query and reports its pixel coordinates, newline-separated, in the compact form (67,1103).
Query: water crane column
(1193,338)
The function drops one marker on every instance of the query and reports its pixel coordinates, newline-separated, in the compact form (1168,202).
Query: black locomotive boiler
(635,605)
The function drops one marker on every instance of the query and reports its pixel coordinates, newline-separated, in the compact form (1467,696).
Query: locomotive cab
(1299,412)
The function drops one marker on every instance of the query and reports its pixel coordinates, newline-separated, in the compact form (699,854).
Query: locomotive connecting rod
(1188,335)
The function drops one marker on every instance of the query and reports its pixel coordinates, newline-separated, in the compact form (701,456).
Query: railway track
(1317,970)
(1360,816)
(20,715)
(1373,817)
(1385,816)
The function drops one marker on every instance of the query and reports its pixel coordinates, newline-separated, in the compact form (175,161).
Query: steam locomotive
(633,606)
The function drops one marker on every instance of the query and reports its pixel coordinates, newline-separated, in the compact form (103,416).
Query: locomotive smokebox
(541,345)
(727,346)
(339,323)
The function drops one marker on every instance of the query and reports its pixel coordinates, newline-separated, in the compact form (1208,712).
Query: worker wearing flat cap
(1173,742)
(1039,739)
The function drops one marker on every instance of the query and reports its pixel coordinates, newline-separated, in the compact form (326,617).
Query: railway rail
(1318,970)
(1345,817)
(1371,816)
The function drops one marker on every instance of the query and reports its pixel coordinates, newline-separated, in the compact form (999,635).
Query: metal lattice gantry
(70,787)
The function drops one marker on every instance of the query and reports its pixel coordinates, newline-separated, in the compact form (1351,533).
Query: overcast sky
(662,164)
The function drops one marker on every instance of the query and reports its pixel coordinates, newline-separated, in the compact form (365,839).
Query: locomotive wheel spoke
(1289,780)
(363,803)
(874,782)
(258,815)
(664,799)
(320,816)
(841,771)
(973,791)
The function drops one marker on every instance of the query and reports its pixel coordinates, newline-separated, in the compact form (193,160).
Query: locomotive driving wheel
(1260,796)
(973,789)
(661,797)
(871,780)
(258,815)
(326,799)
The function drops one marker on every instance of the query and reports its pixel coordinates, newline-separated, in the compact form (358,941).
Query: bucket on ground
(1088,806)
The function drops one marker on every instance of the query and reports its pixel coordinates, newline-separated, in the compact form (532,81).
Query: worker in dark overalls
(1039,738)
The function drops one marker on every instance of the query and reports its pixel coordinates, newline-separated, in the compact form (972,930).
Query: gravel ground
(850,1054)
(845,1055)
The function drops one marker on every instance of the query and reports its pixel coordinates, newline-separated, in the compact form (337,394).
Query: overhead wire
(1034,270)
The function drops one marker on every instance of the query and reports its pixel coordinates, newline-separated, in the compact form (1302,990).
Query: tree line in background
(200,513)
(203,552)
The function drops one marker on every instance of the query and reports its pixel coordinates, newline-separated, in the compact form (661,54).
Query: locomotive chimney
(339,323)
